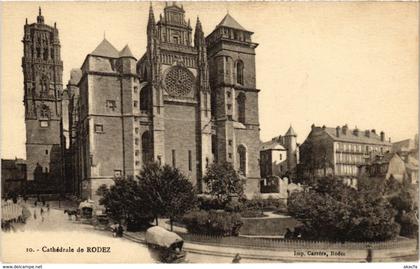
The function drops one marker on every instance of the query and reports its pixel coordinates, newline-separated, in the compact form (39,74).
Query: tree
(331,210)
(123,202)
(313,159)
(166,190)
(223,182)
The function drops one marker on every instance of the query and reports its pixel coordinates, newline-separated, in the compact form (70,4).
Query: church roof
(126,52)
(105,49)
(230,22)
(291,132)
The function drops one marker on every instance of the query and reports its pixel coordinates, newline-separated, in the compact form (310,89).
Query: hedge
(213,222)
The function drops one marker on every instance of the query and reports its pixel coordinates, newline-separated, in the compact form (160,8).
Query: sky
(327,63)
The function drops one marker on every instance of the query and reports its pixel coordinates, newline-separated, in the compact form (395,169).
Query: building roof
(230,22)
(272,144)
(350,136)
(105,49)
(11,163)
(126,52)
(403,145)
(291,132)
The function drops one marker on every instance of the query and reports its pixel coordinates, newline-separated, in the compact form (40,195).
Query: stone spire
(151,24)
(40,18)
(198,34)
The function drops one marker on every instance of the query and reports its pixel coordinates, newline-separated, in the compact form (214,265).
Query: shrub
(206,203)
(409,225)
(234,206)
(269,204)
(213,223)
(252,214)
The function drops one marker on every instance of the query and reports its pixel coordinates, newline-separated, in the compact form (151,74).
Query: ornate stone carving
(178,81)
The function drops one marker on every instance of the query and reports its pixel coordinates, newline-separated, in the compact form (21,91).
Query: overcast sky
(324,63)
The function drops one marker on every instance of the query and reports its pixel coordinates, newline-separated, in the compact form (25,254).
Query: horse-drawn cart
(166,245)
(101,222)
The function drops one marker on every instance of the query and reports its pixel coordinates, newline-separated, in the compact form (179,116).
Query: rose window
(178,81)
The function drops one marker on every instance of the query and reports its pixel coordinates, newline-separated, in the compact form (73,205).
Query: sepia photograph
(228,132)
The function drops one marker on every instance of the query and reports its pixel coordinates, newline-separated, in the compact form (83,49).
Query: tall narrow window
(145,99)
(241,107)
(242,159)
(189,160)
(45,54)
(240,72)
(147,147)
(173,158)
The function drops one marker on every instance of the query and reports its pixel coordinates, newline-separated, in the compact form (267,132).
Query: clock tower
(42,71)
(174,72)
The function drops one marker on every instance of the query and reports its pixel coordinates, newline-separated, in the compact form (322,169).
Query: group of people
(41,210)
(13,212)
(117,230)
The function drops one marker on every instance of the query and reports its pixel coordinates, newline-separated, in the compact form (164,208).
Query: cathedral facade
(189,101)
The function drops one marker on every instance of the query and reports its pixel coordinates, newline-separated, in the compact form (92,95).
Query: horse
(71,212)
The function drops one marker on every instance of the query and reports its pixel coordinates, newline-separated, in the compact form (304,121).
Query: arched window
(240,72)
(242,159)
(145,100)
(147,147)
(241,107)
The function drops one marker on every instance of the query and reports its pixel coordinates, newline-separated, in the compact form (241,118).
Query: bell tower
(42,72)
(231,60)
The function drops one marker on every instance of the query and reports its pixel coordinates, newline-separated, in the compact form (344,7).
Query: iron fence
(297,244)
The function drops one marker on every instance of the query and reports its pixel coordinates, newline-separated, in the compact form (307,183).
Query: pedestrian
(35,203)
(48,207)
(41,211)
(369,253)
(120,230)
(43,201)
(237,258)
(35,214)
(114,229)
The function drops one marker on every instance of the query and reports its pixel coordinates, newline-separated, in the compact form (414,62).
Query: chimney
(356,132)
(312,126)
(337,131)
(382,136)
(323,127)
(345,128)
(373,131)
(367,133)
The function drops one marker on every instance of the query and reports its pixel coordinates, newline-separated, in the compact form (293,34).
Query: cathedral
(190,100)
